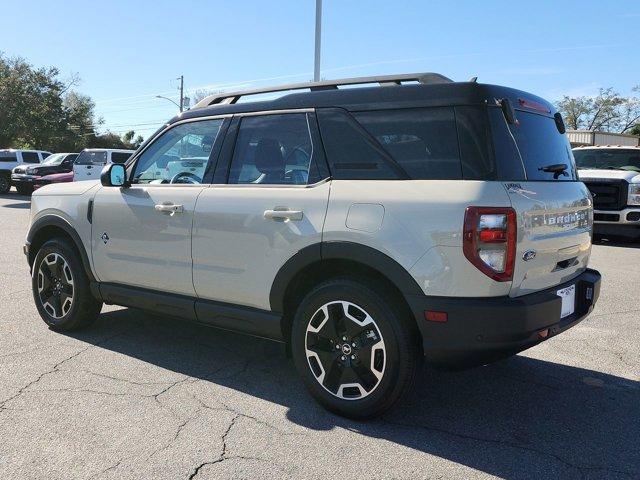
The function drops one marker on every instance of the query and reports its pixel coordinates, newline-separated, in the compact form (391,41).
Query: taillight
(489,240)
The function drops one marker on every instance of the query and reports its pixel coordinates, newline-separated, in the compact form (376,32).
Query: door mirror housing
(114,175)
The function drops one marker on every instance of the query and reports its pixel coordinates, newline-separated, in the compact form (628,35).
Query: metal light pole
(166,98)
(316,65)
(181,92)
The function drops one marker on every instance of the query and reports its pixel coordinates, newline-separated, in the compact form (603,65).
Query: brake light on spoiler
(489,240)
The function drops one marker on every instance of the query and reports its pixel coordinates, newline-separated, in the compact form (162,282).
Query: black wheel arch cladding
(340,250)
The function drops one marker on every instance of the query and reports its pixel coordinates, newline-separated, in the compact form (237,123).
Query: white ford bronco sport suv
(612,174)
(369,228)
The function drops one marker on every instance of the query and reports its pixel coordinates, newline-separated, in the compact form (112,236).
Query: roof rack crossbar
(227,98)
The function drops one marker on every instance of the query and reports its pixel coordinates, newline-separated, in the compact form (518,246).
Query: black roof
(441,92)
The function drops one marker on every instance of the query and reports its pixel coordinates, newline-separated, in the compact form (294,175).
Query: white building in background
(585,137)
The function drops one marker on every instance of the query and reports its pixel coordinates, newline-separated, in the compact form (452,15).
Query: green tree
(608,111)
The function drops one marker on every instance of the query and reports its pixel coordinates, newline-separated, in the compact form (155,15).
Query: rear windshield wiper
(557,169)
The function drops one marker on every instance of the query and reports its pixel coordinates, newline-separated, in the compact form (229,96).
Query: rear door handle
(284,214)
(169,208)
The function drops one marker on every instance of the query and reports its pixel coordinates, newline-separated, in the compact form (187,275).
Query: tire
(381,338)
(66,303)
(24,189)
(5,184)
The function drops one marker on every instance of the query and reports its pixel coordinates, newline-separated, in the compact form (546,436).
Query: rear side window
(119,157)
(538,145)
(274,150)
(8,157)
(423,141)
(353,154)
(30,157)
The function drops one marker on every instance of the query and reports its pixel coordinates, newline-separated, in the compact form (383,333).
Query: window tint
(351,152)
(423,141)
(538,144)
(30,157)
(92,158)
(180,155)
(273,150)
(119,157)
(474,138)
(8,157)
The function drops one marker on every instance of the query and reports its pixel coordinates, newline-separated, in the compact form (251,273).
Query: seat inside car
(269,162)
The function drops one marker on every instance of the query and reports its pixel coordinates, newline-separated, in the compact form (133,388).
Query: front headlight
(31,171)
(634,194)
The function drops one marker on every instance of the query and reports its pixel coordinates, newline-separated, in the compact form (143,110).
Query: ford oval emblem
(529,255)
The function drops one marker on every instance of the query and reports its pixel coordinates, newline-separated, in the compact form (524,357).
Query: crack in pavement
(223,454)
(55,368)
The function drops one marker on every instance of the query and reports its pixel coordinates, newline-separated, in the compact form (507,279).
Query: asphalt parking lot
(141,396)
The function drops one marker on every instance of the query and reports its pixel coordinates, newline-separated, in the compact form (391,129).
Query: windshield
(92,158)
(611,158)
(55,159)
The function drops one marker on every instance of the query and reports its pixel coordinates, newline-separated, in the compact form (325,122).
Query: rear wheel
(356,348)
(61,287)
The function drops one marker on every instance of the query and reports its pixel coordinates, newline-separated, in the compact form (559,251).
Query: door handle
(282,215)
(169,208)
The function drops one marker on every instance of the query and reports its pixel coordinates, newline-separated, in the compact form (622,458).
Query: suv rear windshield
(8,157)
(538,144)
(608,158)
(92,158)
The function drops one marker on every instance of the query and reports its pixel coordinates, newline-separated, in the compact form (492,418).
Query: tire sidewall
(80,283)
(389,324)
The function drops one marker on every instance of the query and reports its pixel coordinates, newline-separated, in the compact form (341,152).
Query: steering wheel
(186,177)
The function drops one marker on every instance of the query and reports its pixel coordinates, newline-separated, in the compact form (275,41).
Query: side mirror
(114,175)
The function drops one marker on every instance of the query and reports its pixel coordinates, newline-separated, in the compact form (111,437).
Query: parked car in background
(24,176)
(89,163)
(612,175)
(53,178)
(11,158)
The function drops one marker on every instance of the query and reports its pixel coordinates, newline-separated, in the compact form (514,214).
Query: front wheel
(24,189)
(356,349)
(5,184)
(61,287)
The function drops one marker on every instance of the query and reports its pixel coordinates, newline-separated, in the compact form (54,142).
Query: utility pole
(181,78)
(316,65)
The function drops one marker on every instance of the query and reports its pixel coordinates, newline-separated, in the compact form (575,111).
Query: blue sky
(127,52)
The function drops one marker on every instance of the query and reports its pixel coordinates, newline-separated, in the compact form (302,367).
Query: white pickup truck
(612,175)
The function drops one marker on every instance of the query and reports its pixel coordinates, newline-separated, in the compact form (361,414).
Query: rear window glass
(423,141)
(92,158)
(609,159)
(8,157)
(538,144)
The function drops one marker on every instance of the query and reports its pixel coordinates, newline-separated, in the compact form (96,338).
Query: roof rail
(227,98)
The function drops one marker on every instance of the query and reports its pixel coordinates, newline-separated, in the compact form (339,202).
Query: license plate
(568,295)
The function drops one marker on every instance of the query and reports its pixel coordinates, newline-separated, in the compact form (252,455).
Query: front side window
(178,156)
(30,157)
(273,150)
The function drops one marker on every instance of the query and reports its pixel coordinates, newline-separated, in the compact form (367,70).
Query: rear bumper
(480,330)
